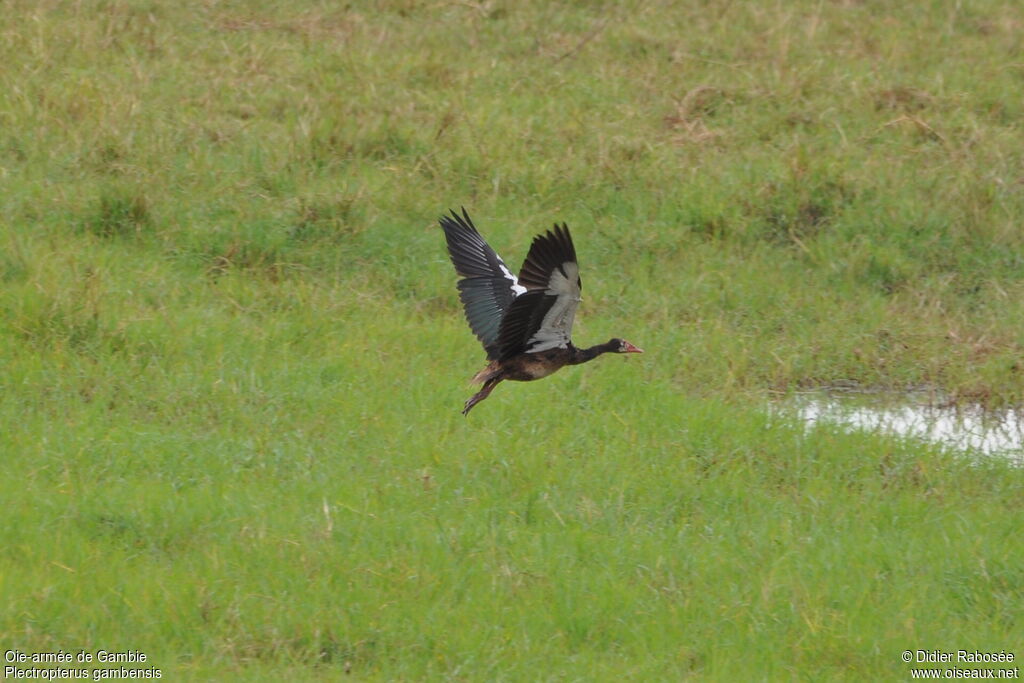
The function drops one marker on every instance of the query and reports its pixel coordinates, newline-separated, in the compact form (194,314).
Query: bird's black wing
(488,287)
(542,318)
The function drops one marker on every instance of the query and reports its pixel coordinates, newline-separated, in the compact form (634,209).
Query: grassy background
(234,356)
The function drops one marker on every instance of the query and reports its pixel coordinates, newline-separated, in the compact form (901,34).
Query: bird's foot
(479,396)
(476,398)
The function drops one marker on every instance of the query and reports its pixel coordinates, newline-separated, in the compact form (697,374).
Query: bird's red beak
(632,349)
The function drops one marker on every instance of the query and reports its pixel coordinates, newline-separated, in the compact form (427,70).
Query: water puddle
(921,415)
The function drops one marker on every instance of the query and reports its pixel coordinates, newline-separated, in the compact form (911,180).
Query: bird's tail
(490,372)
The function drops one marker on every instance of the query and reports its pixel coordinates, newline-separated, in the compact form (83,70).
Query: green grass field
(234,356)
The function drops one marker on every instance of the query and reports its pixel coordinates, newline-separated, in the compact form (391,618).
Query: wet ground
(924,415)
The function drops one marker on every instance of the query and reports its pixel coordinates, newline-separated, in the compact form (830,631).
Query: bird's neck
(584,355)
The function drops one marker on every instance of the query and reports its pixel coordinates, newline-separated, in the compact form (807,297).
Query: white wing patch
(556,328)
(517,288)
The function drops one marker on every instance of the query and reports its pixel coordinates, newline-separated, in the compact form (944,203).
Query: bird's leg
(481,395)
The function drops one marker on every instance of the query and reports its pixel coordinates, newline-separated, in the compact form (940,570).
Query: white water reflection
(919,415)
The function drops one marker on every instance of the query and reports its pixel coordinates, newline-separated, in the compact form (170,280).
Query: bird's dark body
(524,323)
(527,367)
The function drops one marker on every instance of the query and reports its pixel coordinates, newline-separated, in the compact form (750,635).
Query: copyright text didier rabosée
(962,664)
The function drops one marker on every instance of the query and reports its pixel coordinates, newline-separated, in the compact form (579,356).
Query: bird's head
(623,346)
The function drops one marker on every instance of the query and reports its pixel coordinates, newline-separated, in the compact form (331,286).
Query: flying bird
(525,322)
